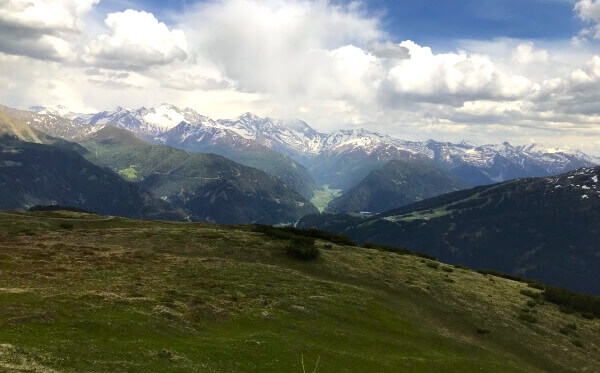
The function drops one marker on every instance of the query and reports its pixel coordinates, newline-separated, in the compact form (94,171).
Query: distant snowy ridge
(295,138)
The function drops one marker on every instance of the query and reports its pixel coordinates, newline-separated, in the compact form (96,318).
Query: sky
(485,71)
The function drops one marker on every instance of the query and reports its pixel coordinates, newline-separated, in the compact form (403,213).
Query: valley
(540,228)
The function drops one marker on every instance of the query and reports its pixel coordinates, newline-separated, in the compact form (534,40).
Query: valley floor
(82,293)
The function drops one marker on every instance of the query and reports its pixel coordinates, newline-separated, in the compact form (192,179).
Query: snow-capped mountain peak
(164,117)
(58,110)
(297,139)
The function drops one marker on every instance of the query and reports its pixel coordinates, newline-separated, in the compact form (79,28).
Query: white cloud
(275,46)
(525,53)
(137,41)
(41,28)
(332,65)
(589,10)
(458,75)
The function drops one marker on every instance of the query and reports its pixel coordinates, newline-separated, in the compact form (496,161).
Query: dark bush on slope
(303,248)
(289,232)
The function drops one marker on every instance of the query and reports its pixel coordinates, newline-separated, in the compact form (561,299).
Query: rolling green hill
(85,293)
(542,228)
(396,184)
(210,187)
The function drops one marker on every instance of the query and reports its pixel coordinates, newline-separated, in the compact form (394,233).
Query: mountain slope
(17,129)
(50,122)
(544,228)
(396,184)
(38,174)
(135,296)
(211,187)
(211,138)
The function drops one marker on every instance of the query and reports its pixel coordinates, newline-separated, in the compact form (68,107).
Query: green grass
(116,295)
(323,196)
(129,174)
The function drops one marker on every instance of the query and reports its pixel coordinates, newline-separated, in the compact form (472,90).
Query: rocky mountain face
(541,228)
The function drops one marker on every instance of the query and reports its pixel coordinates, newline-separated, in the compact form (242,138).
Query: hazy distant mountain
(180,128)
(396,184)
(543,228)
(208,186)
(340,159)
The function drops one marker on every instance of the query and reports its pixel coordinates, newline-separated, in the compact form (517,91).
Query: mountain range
(476,165)
(545,228)
(306,159)
(116,173)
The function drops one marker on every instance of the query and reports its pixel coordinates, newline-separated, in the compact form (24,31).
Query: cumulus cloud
(525,53)
(455,76)
(41,29)
(276,46)
(137,41)
(589,10)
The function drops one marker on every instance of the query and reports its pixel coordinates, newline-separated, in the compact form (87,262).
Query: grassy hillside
(396,184)
(85,293)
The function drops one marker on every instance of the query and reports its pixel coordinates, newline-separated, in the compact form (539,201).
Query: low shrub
(536,285)
(578,343)
(434,265)
(568,310)
(588,315)
(66,226)
(462,267)
(531,303)
(528,317)
(568,329)
(303,248)
(165,354)
(483,331)
(447,269)
(531,294)
(529,282)
(289,232)
(571,301)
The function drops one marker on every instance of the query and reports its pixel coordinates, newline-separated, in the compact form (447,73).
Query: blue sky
(428,20)
(434,22)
